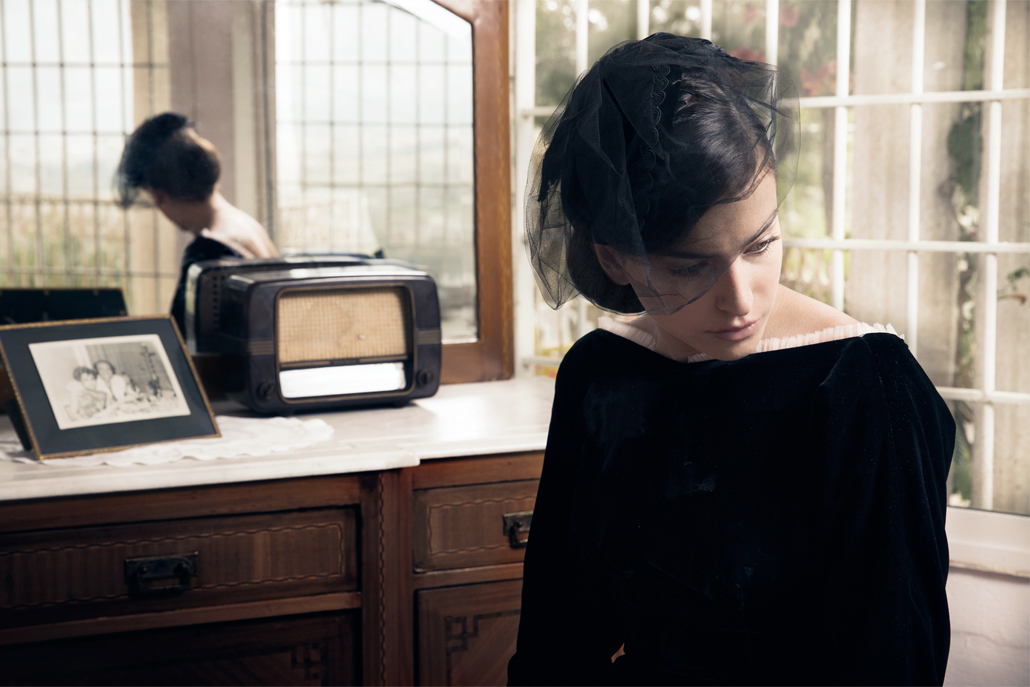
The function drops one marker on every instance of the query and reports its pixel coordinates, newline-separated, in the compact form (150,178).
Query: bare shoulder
(795,314)
(241,231)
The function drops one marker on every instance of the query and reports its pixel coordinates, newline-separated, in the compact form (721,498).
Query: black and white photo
(107,380)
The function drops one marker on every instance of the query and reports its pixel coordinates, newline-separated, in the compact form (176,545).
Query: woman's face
(728,321)
(88,380)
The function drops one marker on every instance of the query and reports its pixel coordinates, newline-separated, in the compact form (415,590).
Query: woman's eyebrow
(699,256)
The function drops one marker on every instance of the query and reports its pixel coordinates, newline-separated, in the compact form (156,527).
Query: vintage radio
(310,338)
(204,284)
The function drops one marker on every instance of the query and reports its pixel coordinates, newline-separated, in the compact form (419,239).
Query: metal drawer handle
(140,573)
(516,524)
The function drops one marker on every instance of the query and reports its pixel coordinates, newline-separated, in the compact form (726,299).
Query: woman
(180,170)
(741,485)
(85,399)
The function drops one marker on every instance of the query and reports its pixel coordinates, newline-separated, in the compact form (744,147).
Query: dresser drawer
(175,564)
(463,527)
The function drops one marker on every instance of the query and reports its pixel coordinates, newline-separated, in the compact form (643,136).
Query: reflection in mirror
(374,139)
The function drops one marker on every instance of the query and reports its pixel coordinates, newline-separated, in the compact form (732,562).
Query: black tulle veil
(657,132)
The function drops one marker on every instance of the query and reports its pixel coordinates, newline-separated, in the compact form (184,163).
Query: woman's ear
(611,262)
(160,198)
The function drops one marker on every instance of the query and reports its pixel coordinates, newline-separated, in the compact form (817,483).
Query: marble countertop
(460,420)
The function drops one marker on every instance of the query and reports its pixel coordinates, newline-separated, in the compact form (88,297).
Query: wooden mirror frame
(491,356)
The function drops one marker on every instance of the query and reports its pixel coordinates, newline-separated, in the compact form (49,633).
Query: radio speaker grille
(343,324)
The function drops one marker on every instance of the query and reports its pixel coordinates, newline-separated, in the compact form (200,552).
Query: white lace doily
(241,436)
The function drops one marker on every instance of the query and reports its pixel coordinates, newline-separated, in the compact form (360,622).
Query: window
(912,196)
(76,78)
(342,125)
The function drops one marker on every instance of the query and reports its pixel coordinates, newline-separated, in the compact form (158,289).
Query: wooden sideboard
(402,576)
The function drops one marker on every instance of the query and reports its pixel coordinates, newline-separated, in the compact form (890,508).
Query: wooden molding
(453,472)
(270,608)
(492,355)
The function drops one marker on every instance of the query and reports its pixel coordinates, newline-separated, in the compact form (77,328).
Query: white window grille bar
(706,19)
(35,136)
(115,272)
(525,135)
(981,396)
(840,150)
(582,27)
(831,101)
(7,149)
(915,172)
(329,16)
(772,31)
(582,56)
(920,246)
(984,482)
(67,239)
(909,98)
(155,220)
(97,252)
(643,19)
(126,127)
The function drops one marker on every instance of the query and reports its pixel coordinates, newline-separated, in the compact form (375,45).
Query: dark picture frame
(72,403)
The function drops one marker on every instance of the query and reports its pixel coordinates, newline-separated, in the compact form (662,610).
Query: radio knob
(425,377)
(266,390)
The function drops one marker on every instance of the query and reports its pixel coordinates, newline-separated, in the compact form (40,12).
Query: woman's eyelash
(689,270)
(698,267)
(762,247)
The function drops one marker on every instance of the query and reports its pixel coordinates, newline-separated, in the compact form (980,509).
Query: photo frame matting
(90,386)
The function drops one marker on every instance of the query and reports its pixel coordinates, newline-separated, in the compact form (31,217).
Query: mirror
(374,139)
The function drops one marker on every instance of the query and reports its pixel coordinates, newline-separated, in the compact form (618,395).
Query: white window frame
(979,539)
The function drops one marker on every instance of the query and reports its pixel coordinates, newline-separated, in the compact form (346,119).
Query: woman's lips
(737,333)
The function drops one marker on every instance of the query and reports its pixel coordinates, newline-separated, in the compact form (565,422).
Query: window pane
(21,110)
(17,36)
(44,19)
(51,164)
(78,95)
(76,41)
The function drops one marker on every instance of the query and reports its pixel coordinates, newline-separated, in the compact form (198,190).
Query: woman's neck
(197,216)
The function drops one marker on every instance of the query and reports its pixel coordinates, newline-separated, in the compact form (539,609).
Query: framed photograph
(87,386)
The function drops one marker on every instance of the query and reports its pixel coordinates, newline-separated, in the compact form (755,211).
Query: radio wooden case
(316,338)
(204,282)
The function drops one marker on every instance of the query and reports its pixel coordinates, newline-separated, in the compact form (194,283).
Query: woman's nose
(734,294)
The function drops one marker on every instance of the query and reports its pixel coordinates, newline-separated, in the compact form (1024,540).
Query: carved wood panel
(462,527)
(317,650)
(73,573)
(467,634)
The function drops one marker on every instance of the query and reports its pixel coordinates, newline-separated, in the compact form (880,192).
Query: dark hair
(652,136)
(164,153)
(83,370)
(105,362)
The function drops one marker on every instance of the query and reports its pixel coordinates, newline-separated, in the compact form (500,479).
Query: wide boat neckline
(846,331)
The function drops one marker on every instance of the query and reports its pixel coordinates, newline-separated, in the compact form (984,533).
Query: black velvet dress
(201,248)
(777,519)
